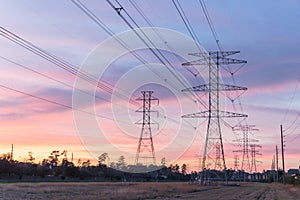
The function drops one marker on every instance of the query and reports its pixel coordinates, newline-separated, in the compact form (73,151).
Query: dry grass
(93,190)
(129,190)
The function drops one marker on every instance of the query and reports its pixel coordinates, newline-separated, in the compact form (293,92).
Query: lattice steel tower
(145,148)
(254,152)
(236,162)
(245,140)
(213,156)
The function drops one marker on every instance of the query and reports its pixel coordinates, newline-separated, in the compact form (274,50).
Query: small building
(293,171)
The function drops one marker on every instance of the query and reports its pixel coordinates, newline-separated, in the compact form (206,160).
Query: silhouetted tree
(30,157)
(53,158)
(102,158)
(183,169)
(121,162)
(86,163)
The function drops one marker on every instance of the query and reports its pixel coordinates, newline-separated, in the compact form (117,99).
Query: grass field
(146,191)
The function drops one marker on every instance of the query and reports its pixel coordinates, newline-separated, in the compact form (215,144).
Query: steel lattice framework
(245,140)
(145,148)
(254,152)
(213,156)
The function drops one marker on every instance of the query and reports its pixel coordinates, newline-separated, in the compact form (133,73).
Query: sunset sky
(266,32)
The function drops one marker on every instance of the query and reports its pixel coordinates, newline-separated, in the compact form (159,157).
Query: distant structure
(254,151)
(245,150)
(213,156)
(145,148)
(236,162)
(12,152)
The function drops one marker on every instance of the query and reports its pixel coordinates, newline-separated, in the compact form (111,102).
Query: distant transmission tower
(145,148)
(236,162)
(245,140)
(213,156)
(254,152)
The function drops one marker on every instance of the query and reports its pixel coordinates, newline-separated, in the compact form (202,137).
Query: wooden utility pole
(276,163)
(282,152)
(12,152)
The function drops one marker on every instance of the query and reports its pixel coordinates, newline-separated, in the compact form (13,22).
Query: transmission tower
(236,162)
(145,148)
(213,156)
(245,140)
(254,152)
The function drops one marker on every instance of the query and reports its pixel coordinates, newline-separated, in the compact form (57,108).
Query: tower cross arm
(214,114)
(222,87)
(220,60)
(245,128)
(215,53)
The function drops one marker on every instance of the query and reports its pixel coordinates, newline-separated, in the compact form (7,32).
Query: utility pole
(276,163)
(12,152)
(213,156)
(282,153)
(273,167)
(145,148)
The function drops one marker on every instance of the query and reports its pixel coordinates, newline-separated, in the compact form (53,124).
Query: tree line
(57,166)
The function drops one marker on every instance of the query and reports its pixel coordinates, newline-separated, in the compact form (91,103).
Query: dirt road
(246,191)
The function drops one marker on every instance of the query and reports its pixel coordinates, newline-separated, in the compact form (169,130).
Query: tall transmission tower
(245,140)
(213,156)
(145,148)
(254,152)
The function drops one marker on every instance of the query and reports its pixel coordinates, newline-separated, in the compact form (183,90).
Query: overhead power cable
(53,102)
(60,63)
(186,22)
(196,72)
(103,26)
(155,51)
(56,80)
(289,107)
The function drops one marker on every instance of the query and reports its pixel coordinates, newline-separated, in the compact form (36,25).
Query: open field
(146,191)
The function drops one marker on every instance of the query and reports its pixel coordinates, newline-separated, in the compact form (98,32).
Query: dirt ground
(74,191)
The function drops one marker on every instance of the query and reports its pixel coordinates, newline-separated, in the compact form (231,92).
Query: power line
(58,81)
(53,102)
(211,26)
(59,62)
(217,40)
(186,22)
(148,21)
(92,16)
(289,107)
(158,55)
